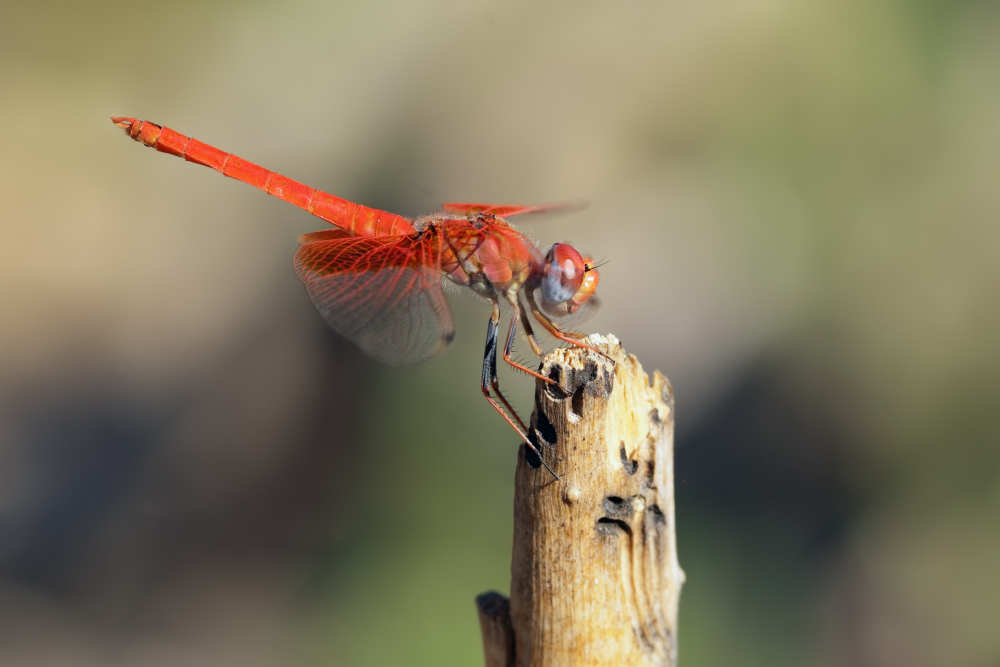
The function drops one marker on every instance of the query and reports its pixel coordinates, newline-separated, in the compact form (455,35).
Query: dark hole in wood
(609,526)
(630,466)
(577,377)
(657,514)
(555,391)
(576,407)
(530,457)
(617,506)
(544,430)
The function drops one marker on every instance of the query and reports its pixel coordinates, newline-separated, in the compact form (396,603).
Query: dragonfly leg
(490,380)
(528,333)
(557,332)
(510,344)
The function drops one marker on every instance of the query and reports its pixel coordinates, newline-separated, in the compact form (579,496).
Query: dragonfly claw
(534,459)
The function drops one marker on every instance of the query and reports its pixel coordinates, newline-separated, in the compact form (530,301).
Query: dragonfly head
(569,279)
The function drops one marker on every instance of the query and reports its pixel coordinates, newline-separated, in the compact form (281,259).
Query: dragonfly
(377,277)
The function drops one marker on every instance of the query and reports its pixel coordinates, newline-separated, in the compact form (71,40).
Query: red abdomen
(353,218)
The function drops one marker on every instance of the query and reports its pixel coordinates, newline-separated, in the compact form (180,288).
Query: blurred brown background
(799,205)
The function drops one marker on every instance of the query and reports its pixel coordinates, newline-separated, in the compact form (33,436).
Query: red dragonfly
(376,277)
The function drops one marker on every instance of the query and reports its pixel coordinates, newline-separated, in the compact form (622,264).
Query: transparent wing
(383,293)
(561,315)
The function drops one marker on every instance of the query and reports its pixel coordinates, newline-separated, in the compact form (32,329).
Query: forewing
(507,210)
(383,293)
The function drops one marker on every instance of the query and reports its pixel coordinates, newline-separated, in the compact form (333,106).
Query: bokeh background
(799,204)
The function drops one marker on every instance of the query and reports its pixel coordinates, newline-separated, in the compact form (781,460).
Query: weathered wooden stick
(494,621)
(594,572)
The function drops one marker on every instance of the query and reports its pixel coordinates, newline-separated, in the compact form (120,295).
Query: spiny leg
(489,379)
(510,345)
(528,333)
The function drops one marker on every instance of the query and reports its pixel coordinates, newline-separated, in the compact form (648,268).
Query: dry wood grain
(594,574)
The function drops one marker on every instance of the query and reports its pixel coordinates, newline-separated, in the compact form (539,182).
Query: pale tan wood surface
(594,574)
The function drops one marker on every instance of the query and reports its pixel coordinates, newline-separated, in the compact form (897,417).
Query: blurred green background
(799,204)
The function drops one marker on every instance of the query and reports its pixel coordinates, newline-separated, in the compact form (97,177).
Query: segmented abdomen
(353,218)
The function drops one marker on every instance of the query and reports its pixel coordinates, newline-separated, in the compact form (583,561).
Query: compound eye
(564,272)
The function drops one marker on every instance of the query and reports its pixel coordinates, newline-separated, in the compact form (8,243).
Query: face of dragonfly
(568,281)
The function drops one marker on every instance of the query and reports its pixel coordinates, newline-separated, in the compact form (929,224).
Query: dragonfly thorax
(488,256)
